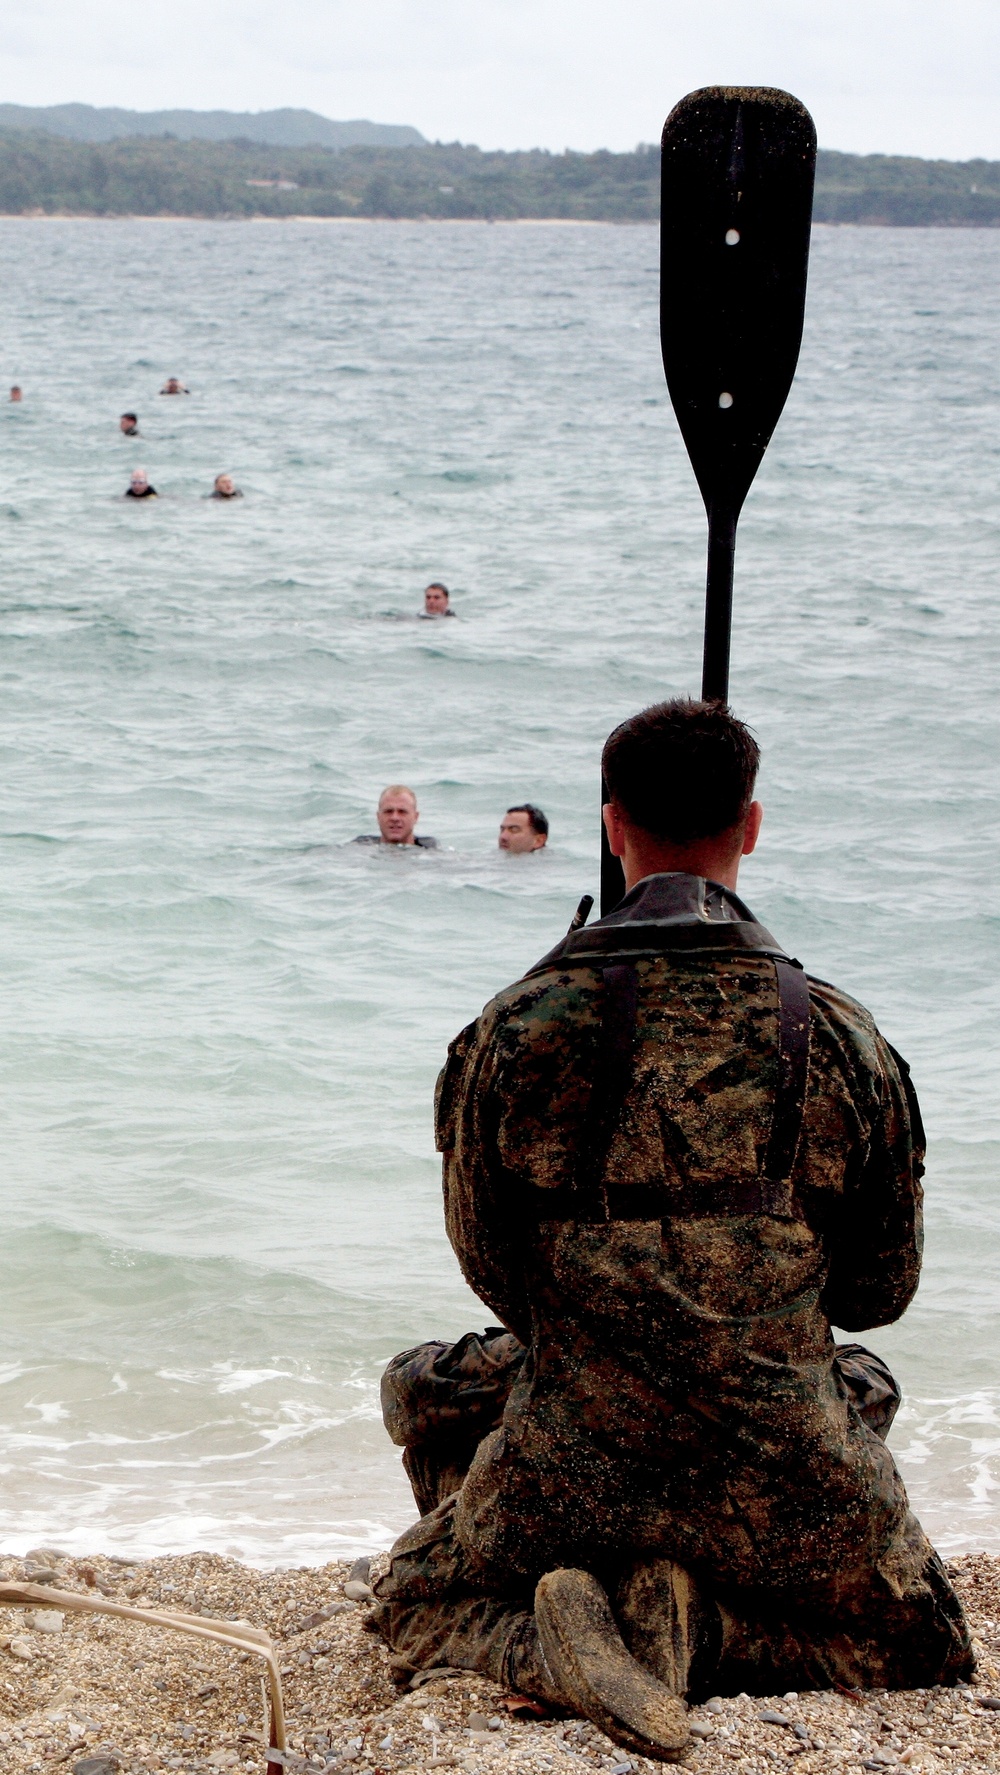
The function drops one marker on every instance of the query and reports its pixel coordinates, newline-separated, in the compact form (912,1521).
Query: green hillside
(44,174)
(905,193)
(289,128)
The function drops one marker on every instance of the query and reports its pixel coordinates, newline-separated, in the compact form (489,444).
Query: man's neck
(641,860)
(716,858)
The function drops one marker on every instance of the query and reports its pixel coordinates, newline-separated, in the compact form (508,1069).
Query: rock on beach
(107,1697)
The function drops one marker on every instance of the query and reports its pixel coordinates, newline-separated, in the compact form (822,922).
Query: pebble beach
(100,1696)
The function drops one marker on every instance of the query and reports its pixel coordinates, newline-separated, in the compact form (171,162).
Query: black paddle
(736,206)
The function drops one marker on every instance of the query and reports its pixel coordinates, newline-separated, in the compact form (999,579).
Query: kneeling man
(671,1160)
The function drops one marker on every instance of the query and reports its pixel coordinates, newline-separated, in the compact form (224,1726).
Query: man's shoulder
(845,1016)
(528,1025)
(546,1001)
(846,1041)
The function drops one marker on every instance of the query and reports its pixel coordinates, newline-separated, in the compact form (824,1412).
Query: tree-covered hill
(287,128)
(149,176)
(906,193)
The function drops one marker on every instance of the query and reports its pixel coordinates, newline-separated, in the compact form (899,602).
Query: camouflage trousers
(898,1625)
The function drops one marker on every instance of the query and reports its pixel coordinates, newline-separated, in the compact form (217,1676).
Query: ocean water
(219,1028)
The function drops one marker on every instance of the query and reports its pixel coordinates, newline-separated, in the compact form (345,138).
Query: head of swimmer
(436,599)
(397,814)
(129,424)
(15,393)
(225,486)
(173,385)
(138,480)
(523,828)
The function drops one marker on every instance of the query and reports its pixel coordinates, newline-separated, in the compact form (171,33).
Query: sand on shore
(352,221)
(113,1696)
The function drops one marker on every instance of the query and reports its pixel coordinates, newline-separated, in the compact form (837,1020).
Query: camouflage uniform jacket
(679,1395)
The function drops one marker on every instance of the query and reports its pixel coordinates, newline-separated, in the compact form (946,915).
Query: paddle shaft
(718,602)
(715,663)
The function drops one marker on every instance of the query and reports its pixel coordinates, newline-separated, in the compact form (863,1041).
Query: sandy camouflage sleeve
(874,1239)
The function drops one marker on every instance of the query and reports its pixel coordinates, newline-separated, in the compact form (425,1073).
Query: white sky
(891,76)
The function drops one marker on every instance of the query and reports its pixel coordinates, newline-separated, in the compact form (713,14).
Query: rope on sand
(239,1634)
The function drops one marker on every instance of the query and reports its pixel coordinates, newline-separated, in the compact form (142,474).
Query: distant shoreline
(337,221)
(159,177)
(456,221)
(165,177)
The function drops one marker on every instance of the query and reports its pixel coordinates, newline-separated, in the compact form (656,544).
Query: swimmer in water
(139,487)
(15,394)
(437,601)
(397,815)
(225,488)
(174,385)
(128,425)
(523,828)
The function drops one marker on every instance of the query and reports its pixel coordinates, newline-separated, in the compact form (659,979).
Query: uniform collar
(677,897)
(665,912)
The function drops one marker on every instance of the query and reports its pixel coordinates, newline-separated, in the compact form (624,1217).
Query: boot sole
(596,1674)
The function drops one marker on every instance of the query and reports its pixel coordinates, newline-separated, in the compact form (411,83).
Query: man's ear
(614,826)
(751,831)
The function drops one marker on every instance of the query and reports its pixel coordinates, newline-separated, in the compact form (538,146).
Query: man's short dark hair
(536,818)
(682,770)
(132,416)
(436,586)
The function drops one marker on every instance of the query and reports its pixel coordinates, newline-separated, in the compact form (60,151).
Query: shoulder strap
(793,1073)
(612,1079)
(589,1197)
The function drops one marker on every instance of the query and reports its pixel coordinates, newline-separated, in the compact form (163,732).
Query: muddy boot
(670,1626)
(592,1673)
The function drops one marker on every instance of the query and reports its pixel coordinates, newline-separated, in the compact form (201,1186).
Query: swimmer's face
(173,386)
(435,601)
(518,834)
(225,484)
(15,394)
(139,479)
(126,423)
(397,816)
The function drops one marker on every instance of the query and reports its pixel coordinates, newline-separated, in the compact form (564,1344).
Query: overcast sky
(892,76)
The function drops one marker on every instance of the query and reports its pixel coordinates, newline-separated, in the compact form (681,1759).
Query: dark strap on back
(591,1198)
(612,1080)
(793,1070)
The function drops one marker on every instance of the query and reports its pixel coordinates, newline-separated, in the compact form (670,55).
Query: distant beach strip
(71,160)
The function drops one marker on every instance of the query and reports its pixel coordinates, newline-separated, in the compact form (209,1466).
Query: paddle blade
(738,168)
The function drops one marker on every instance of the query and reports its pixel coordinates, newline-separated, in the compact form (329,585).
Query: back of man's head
(682,770)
